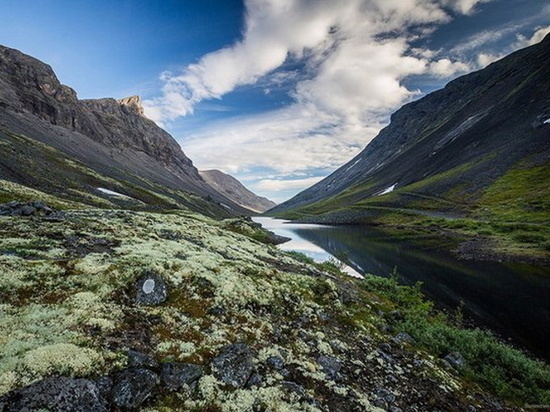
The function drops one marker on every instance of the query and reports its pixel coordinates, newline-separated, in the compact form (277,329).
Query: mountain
(50,138)
(231,188)
(477,148)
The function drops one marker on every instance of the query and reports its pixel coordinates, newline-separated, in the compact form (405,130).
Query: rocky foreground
(123,310)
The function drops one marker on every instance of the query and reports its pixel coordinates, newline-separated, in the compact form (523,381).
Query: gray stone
(276,362)
(151,289)
(456,360)
(132,387)
(175,375)
(384,394)
(294,388)
(28,210)
(403,337)
(59,394)
(35,208)
(234,365)
(385,347)
(141,360)
(254,380)
(104,385)
(216,311)
(330,365)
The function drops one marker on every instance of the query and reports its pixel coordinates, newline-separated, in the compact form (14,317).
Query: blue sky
(278,93)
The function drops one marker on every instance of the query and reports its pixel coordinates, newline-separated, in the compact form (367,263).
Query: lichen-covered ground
(68,307)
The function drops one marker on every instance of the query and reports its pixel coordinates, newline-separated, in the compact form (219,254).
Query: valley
(132,281)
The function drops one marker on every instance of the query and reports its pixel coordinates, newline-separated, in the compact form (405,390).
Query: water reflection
(512,299)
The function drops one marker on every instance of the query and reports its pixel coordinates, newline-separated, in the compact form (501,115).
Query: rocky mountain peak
(231,188)
(133,103)
(33,73)
(106,133)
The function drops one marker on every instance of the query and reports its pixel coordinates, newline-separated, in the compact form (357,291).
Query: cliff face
(233,189)
(111,136)
(452,144)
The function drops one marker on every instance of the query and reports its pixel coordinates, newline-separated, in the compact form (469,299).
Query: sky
(278,93)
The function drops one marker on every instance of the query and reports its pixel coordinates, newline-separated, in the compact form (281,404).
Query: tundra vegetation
(261,329)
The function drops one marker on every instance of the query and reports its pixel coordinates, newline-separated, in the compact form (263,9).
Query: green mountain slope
(478,149)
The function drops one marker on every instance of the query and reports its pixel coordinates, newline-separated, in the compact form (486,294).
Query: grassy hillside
(25,162)
(512,214)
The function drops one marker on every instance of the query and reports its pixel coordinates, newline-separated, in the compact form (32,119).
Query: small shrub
(500,368)
(301,257)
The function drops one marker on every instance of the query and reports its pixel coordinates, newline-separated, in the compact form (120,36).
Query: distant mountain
(233,189)
(46,130)
(480,146)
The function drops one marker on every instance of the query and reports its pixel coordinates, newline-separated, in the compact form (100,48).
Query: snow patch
(112,193)
(547,121)
(357,161)
(387,190)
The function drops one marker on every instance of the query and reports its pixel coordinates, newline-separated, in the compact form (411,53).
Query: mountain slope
(442,154)
(111,137)
(233,189)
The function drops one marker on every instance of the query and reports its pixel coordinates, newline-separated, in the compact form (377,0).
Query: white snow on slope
(387,190)
(357,161)
(112,193)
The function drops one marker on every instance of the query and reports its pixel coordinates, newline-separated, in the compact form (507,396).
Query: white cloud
(485,58)
(290,140)
(539,34)
(274,185)
(356,54)
(446,67)
(338,39)
(464,6)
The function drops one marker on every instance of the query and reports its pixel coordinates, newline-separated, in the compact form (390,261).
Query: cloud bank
(355,55)
(350,62)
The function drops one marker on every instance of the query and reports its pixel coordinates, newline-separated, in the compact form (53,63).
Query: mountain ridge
(112,137)
(472,121)
(236,191)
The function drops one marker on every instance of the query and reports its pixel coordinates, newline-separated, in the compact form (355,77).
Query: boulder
(151,289)
(132,387)
(35,208)
(330,365)
(58,394)
(276,362)
(455,360)
(141,360)
(175,375)
(234,365)
(403,337)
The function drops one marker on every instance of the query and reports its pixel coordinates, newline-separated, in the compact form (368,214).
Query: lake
(512,299)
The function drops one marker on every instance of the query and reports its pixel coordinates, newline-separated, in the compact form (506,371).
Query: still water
(511,299)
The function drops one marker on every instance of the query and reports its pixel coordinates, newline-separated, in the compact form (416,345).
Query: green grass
(496,366)
(521,195)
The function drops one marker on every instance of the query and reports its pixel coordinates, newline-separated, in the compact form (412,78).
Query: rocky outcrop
(110,136)
(34,208)
(234,365)
(233,189)
(55,394)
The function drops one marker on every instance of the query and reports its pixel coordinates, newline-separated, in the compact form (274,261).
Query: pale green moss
(24,193)
(64,358)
